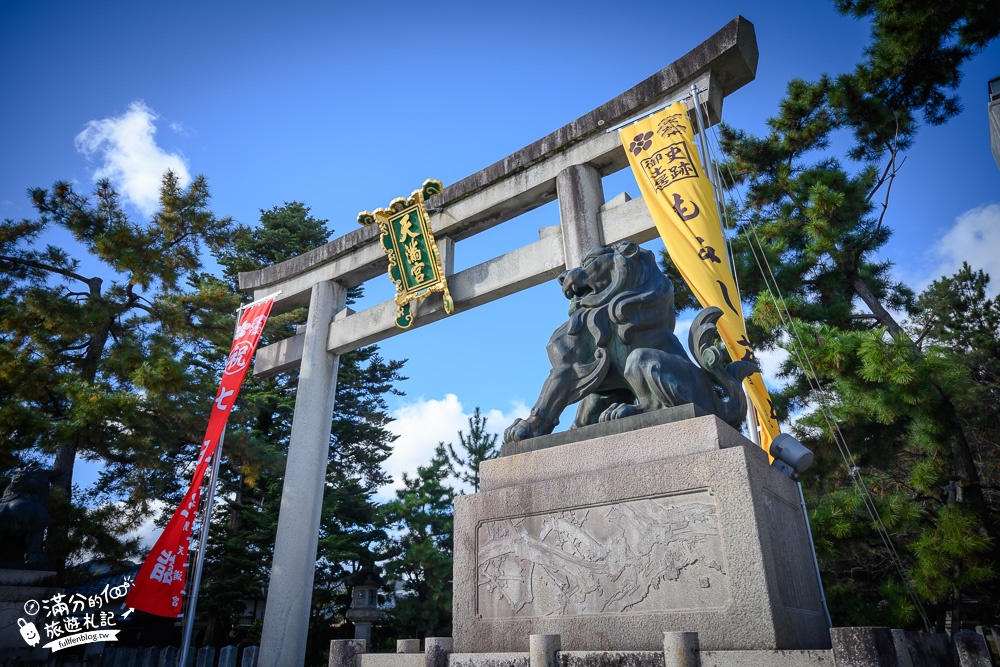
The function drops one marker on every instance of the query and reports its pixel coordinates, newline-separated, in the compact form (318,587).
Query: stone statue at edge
(24,516)
(618,356)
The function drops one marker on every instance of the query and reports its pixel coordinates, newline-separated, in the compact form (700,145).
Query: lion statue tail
(731,407)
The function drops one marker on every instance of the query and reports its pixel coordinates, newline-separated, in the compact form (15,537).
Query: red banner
(159,586)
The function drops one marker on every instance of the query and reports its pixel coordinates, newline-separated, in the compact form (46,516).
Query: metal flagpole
(202,545)
(753,425)
(716,194)
(206,520)
(710,172)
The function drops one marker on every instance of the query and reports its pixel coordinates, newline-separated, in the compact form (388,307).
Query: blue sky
(346,108)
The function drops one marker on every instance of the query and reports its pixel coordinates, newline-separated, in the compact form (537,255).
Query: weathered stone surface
(286,618)
(680,649)
(125,656)
(680,530)
(543,650)
(630,443)
(581,195)
(345,652)
(922,649)
(437,650)
(206,657)
(863,647)
(611,658)
(16,588)
(227,656)
(407,646)
(971,649)
(168,656)
(392,660)
(614,427)
(766,658)
(511,659)
(27,578)
(249,657)
(899,640)
(150,656)
(547,546)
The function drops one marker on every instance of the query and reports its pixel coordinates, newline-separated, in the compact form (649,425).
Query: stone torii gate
(567,165)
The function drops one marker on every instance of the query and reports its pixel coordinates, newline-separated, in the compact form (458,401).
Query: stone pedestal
(611,541)
(16,588)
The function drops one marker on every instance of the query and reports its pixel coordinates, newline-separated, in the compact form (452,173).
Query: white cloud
(126,147)
(423,424)
(975,238)
(148,532)
(770,364)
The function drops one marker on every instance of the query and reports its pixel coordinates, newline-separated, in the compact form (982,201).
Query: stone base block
(611,541)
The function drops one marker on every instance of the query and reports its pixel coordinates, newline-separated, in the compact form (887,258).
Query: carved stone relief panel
(645,555)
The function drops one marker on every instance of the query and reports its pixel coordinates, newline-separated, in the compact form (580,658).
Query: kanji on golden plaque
(681,201)
(414,262)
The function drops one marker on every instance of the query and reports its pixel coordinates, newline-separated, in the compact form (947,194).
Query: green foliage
(916,54)
(950,555)
(908,382)
(102,352)
(419,556)
(893,403)
(284,232)
(479,446)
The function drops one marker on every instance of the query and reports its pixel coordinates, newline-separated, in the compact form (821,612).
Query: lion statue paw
(618,411)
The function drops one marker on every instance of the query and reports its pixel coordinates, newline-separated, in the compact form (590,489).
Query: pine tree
(420,555)
(820,220)
(102,352)
(479,446)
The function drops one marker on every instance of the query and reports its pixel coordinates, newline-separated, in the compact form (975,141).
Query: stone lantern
(364,609)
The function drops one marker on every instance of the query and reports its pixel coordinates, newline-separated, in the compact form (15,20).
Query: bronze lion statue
(618,355)
(24,516)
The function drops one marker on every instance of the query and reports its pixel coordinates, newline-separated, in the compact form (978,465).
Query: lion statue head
(624,283)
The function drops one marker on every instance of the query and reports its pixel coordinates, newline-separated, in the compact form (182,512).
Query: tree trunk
(878,310)
(60,503)
(966,472)
(963,464)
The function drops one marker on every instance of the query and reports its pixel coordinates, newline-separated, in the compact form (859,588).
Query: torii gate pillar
(286,619)
(567,165)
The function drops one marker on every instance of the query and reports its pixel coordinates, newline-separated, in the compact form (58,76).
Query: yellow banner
(679,196)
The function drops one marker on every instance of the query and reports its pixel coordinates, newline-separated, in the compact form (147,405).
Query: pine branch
(48,268)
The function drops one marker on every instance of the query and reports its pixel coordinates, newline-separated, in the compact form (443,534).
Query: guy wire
(802,357)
